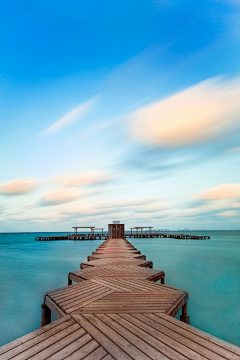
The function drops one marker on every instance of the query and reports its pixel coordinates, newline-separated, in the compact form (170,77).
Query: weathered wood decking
(115,312)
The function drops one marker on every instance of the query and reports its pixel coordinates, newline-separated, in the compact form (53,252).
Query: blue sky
(119,111)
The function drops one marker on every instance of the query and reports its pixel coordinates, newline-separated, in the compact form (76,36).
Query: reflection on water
(208,269)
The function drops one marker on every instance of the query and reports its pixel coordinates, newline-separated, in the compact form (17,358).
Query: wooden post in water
(184,317)
(45,315)
(69,282)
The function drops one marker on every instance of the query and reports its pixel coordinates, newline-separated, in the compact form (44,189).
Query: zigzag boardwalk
(114,311)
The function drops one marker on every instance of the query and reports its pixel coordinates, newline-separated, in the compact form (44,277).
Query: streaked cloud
(226,191)
(235,149)
(152,207)
(236,205)
(127,203)
(18,187)
(76,114)
(57,178)
(60,196)
(87,178)
(209,110)
(229,213)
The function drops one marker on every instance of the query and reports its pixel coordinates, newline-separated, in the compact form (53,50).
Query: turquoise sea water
(208,269)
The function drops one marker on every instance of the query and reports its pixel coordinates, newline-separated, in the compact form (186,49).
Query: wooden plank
(71,348)
(78,292)
(60,346)
(89,301)
(113,349)
(75,277)
(108,357)
(177,305)
(118,255)
(117,262)
(149,336)
(33,334)
(85,351)
(176,341)
(58,312)
(98,354)
(34,345)
(200,336)
(148,351)
(119,340)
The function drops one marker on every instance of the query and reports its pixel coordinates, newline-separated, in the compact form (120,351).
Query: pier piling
(45,315)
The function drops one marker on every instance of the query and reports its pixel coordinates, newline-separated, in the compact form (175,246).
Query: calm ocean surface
(209,270)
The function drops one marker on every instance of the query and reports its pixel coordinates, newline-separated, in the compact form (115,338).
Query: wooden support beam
(45,315)
(184,317)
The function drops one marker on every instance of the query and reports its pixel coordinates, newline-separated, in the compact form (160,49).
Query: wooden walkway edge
(116,310)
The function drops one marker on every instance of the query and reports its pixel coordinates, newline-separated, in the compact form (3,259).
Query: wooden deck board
(129,272)
(98,297)
(117,262)
(120,336)
(116,255)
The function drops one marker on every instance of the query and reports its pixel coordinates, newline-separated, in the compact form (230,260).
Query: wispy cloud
(18,187)
(206,111)
(76,114)
(226,191)
(60,196)
(87,178)
(229,213)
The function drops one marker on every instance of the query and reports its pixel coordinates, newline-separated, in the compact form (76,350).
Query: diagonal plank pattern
(111,271)
(117,261)
(98,297)
(114,312)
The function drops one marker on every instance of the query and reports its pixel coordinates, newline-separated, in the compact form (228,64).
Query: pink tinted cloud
(18,187)
(226,191)
(208,110)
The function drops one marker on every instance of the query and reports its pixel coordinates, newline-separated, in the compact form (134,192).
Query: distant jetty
(135,232)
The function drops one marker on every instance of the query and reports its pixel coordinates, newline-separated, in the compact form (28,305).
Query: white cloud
(233,149)
(226,191)
(57,178)
(18,187)
(60,196)
(127,202)
(76,114)
(236,205)
(229,213)
(208,110)
(86,178)
(152,207)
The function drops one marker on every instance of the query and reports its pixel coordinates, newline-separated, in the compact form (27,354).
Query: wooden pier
(104,236)
(116,310)
(76,237)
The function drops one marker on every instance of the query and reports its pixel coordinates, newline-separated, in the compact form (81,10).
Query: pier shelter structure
(117,310)
(84,227)
(116,231)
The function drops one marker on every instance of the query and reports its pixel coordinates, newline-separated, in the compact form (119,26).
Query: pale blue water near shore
(209,270)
